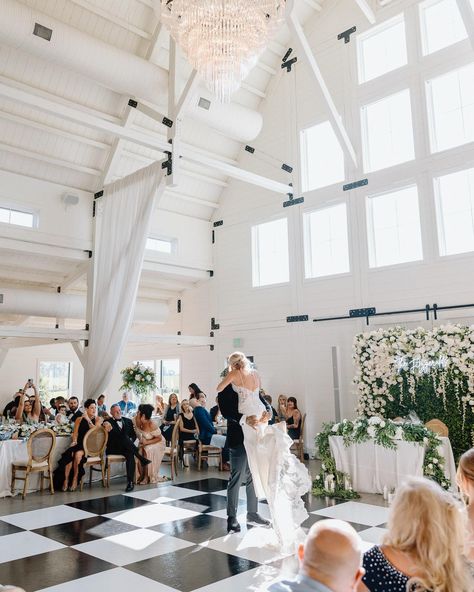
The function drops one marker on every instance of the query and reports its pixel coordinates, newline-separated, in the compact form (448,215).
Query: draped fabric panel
(123,216)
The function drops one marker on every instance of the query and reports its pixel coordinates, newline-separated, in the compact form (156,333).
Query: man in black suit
(121,440)
(228,401)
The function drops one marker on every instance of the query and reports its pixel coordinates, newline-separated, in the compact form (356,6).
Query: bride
(277,474)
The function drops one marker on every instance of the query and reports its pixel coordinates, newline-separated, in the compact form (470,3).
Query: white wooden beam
(111,17)
(467,13)
(18,342)
(154,41)
(189,274)
(334,117)
(266,68)
(74,275)
(41,248)
(171,339)
(367,10)
(115,150)
(3,354)
(49,159)
(314,5)
(55,107)
(79,349)
(43,333)
(252,89)
(176,193)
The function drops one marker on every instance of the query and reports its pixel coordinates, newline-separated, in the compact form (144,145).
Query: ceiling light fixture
(222,39)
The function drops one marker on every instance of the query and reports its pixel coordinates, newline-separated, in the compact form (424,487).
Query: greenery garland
(333,483)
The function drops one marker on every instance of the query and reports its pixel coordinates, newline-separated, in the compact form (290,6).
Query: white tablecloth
(371,467)
(16,450)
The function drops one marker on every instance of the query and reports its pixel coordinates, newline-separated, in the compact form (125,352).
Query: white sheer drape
(122,222)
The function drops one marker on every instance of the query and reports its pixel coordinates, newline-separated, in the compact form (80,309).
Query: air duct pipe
(114,68)
(35,303)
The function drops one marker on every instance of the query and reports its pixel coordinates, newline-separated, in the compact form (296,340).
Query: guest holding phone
(29,409)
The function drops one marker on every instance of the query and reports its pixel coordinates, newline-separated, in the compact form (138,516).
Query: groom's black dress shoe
(233,525)
(255,519)
(130,487)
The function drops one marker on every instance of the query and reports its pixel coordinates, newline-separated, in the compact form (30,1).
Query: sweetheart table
(371,466)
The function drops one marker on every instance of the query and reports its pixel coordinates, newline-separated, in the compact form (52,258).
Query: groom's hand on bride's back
(251,420)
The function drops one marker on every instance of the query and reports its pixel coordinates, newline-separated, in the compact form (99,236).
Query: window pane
(387,132)
(393,223)
(455,212)
(270,261)
(170,377)
(382,49)
(158,244)
(11,216)
(441,24)
(54,379)
(326,241)
(322,157)
(451,108)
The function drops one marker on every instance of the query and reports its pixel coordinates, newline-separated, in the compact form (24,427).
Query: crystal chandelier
(222,39)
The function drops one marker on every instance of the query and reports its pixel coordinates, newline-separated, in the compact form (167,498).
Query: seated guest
(293,418)
(170,417)
(281,407)
(330,560)
(52,406)
(73,409)
(126,406)
(159,405)
(70,468)
(215,411)
(424,546)
(121,440)
(274,417)
(207,431)
(187,426)
(152,445)
(29,409)
(12,406)
(60,401)
(61,417)
(101,406)
(194,392)
(465,480)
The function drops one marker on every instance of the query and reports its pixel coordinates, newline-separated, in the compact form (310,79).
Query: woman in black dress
(70,468)
(293,418)
(187,427)
(424,548)
(171,415)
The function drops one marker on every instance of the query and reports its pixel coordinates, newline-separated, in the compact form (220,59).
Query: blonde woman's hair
(466,468)
(239,360)
(430,525)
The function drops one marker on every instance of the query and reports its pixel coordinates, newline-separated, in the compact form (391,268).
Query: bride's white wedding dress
(277,474)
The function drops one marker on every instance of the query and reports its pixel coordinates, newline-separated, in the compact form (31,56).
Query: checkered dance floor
(168,538)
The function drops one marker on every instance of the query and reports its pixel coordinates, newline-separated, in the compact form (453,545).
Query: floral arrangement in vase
(138,378)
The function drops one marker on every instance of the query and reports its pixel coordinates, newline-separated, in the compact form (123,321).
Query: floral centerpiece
(430,372)
(333,483)
(140,379)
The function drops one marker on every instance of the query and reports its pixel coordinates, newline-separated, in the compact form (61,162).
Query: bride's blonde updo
(238,361)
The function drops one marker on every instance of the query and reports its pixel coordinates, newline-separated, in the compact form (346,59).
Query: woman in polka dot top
(425,544)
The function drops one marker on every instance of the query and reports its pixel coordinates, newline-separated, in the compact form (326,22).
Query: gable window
(270,258)
(387,132)
(17,217)
(393,224)
(451,108)
(54,380)
(441,25)
(322,158)
(382,49)
(454,194)
(326,241)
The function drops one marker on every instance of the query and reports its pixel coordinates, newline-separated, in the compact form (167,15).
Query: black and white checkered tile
(169,538)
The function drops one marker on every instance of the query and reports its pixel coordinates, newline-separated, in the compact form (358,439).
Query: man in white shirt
(330,560)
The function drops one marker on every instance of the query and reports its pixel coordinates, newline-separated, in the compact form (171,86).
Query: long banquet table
(16,450)
(371,466)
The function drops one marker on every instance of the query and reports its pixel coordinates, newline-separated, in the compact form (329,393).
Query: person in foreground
(121,440)
(424,548)
(330,560)
(465,478)
(277,474)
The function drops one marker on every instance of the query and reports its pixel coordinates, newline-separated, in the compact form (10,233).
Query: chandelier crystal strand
(222,39)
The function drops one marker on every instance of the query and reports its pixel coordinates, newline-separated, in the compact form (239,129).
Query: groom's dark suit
(240,473)
(121,441)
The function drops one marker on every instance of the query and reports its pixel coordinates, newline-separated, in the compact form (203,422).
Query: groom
(228,401)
